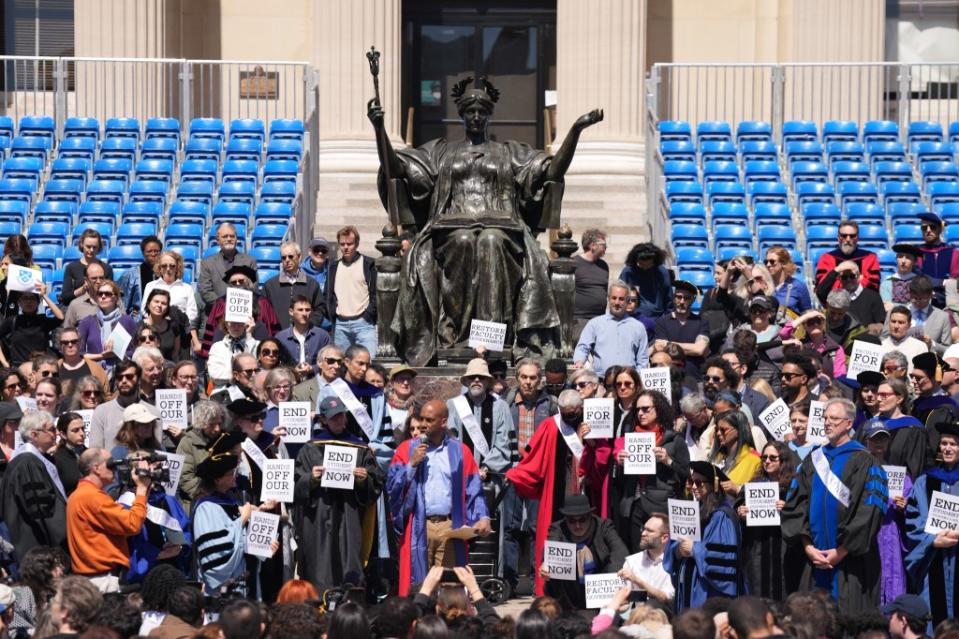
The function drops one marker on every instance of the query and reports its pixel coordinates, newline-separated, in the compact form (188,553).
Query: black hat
(246,407)
(908,249)
(498,366)
(870,378)
(576,505)
(241,270)
(929,216)
(683,285)
(910,605)
(764,302)
(711,472)
(226,442)
(927,363)
(215,466)
(10,411)
(948,428)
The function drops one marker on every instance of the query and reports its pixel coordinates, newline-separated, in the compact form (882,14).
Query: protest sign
(598,413)
(277,480)
(27,404)
(490,335)
(261,531)
(943,513)
(239,305)
(657,379)
(816,426)
(173,407)
(896,480)
(601,588)
(559,558)
(639,454)
(21,278)
(761,498)
(295,418)
(864,357)
(175,464)
(684,519)
(776,419)
(86,415)
(338,465)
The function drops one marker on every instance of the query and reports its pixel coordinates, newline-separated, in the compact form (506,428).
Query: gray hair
(569,399)
(848,407)
(691,404)
(277,375)
(235,365)
(328,350)
(206,412)
(618,284)
(529,361)
(354,350)
(34,421)
(143,353)
(292,245)
(583,375)
(590,236)
(894,356)
(839,299)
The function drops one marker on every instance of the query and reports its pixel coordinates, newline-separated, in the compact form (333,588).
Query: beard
(847,249)
(477,391)
(710,392)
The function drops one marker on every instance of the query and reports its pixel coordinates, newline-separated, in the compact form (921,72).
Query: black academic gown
(772,567)
(909,445)
(33,509)
(329,521)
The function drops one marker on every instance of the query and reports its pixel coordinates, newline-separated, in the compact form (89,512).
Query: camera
(159,470)
(638,596)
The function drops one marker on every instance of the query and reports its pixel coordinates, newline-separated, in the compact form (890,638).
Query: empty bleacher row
(129,182)
(739,193)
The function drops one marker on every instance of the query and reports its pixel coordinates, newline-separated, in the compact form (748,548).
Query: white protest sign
(490,335)
(253,452)
(816,426)
(20,278)
(776,419)
(173,407)
(864,357)
(943,513)
(896,480)
(120,340)
(338,465)
(601,588)
(27,404)
(175,464)
(239,305)
(761,498)
(639,454)
(657,379)
(684,519)
(598,413)
(295,418)
(86,415)
(559,558)
(277,480)
(261,531)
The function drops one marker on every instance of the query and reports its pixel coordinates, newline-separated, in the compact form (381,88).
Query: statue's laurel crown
(459,89)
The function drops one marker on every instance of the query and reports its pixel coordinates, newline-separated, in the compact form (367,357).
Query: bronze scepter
(392,208)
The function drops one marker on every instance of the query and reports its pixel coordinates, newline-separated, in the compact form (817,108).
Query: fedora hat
(477,366)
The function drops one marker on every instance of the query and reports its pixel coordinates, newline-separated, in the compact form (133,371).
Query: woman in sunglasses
(74,365)
(772,568)
(710,567)
(586,383)
(625,388)
(96,330)
(809,331)
(87,394)
(734,450)
(14,384)
(791,291)
(270,354)
(159,327)
(182,301)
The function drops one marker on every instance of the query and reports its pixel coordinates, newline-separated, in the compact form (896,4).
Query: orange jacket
(98,527)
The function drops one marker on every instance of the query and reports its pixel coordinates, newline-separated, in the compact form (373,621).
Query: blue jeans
(519,515)
(358,331)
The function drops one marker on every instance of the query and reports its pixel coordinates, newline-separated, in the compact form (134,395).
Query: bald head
(433,416)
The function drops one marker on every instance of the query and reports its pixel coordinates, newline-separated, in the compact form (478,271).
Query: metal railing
(777,93)
(183,89)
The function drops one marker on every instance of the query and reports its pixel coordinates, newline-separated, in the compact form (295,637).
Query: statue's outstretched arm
(564,156)
(388,158)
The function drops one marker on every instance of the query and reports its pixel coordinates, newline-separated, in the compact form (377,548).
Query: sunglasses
(716,379)
(849,236)
(270,352)
(772,262)
(127,376)
(770,457)
(164,267)
(695,482)
(104,293)
(91,393)
(645,409)
(332,360)
(789,376)
(14,385)
(247,371)
(69,342)
(287,257)
(582,385)
(625,384)
(148,338)
(926,227)
(238,282)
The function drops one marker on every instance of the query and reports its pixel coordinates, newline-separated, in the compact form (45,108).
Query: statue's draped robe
(474,257)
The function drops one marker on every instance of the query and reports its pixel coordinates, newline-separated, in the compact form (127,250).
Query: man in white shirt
(898,337)
(645,568)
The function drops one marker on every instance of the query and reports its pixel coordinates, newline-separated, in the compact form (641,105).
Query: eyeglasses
(104,293)
(187,378)
(91,393)
(148,337)
(402,380)
(769,457)
(788,376)
(127,376)
(577,520)
(837,420)
(772,262)
(269,352)
(632,300)
(645,409)
(891,369)
(240,282)
(625,384)
(14,385)
(332,360)
(287,257)
(582,385)
(716,379)
(164,267)
(885,395)
(247,371)
(849,236)
(281,387)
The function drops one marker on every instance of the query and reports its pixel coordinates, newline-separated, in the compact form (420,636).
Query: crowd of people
(119,521)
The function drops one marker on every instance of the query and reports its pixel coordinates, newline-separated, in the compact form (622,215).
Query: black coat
(608,552)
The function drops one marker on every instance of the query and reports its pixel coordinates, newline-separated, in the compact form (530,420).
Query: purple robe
(892,549)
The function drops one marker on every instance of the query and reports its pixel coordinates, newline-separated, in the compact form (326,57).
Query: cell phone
(638,596)
(449,576)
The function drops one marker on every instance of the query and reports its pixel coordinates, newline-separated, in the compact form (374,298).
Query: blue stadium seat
(943,193)
(755,171)
(727,235)
(63,190)
(149,191)
(768,192)
(767,214)
(713,130)
(720,172)
(125,256)
(210,251)
(850,192)
(70,169)
(850,172)
(954,132)
(247,129)
(190,254)
(113,169)
(159,149)
(47,255)
(208,128)
(287,170)
(951,236)
(904,212)
(729,213)
(276,191)
(195,192)
(679,212)
(839,131)
(267,257)
(38,126)
(933,152)
(718,192)
(268,235)
(154,171)
(30,146)
(669,130)
(703,280)
(23,168)
(809,172)
(240,171)
(678,171)
(690,235)
(683,192)
(54,233)
(758,151)
(104,229)
(120,148)
(284,150)
(885,152)
(202,149)
(821,236)
(198,171)
(907,233)
(240,236)
(753,131)
(923,131)
(10,227)
(233,212)
(99,211)
(880,131)
(844,152)
(184,235)
(887,259)
(900,192)
(282,213)
(162,128)
(247,149)
(938,172)
(84,148)
(807,192)
(803,152)
(892,172)
(107,190)
(948,211)
(142,213)
(187,212)
(132,234)
(799,131)
(865,213)
(19,190)
(717,151)
(873,236)
(6,131)
(289,129)
(237,192)
(819,214)
(772,236)
(13,211)
(55,211)
(81,128)
(122,128)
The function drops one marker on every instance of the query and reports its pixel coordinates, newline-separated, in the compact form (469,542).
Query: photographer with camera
(98,527)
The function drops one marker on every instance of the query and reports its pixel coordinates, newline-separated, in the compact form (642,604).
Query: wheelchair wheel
(495,590)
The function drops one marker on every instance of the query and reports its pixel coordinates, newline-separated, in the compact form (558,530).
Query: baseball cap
(331,407)
(909,605)
(138,413)
(319,242)
(875,427)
